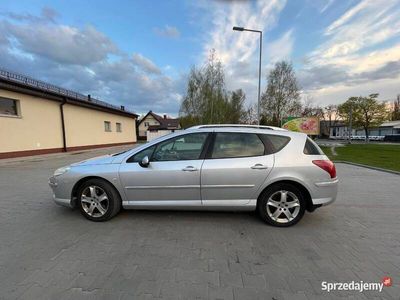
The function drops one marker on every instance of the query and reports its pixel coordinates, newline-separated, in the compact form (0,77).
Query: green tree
(396,109)
(282,96)
(366,112)
(207,101)
(235,107)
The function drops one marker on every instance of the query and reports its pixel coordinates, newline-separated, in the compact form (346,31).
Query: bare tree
(310,109)
(282,96)
(250,115)
(206,100)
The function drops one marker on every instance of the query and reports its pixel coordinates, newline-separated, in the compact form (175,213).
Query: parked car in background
(279,173)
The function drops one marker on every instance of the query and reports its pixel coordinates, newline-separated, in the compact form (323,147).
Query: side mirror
(145,162)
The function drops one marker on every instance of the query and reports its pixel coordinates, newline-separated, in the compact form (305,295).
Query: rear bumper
(325,192)
(323,201)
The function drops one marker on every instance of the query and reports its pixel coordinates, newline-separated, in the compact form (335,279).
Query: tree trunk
(366,134)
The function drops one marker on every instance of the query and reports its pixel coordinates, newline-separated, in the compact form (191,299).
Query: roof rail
(237,126)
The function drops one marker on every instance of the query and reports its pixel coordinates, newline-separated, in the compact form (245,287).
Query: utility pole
(236,28)
(259,82)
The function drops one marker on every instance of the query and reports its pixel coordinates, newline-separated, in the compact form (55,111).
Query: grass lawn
(376,155)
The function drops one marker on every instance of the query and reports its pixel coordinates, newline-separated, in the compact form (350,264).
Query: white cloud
(47,15)
(347,16)
(366,25)
(326,6)
(61,43)
(281,48)
(145,64)
(240,46)
(387,89)
(360,54)
(168,31)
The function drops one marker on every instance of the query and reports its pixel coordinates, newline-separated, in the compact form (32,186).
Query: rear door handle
(259,167)
(189,169)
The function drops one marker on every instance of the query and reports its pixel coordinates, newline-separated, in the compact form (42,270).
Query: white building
(340,131)
(152,126)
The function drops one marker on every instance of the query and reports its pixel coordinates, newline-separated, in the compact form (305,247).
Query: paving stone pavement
(51,252)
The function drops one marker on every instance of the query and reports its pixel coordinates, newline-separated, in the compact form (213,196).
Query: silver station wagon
(279,173)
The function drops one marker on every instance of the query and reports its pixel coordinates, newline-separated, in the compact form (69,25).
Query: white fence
(151,135)
(359,137)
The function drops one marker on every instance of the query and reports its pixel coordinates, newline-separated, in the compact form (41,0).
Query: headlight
(61,171)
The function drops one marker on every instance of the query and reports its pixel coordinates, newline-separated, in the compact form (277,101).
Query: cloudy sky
(137,53)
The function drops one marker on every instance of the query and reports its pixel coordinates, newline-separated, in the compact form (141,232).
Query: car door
(234,169)
(173,173)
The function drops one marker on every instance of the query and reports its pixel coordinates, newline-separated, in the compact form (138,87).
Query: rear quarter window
(274,143)
(311,148)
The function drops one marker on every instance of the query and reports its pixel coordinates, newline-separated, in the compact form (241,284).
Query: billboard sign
(308,125)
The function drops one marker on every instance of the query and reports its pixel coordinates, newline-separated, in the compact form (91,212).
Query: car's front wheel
(98,200)
(281,205)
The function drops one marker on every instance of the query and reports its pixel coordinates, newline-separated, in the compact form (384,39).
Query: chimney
(122,107)
(165,116)
(89,97)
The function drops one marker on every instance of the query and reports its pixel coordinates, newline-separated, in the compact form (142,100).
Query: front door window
(187,147)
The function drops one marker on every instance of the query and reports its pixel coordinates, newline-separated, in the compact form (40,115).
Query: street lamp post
(259,67)
(350,123)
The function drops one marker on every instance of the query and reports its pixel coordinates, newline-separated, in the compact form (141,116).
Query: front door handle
(189,169)
(259,167)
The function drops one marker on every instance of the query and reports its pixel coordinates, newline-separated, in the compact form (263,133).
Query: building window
(107,126)
(9,107)
(146,124)
(119,127)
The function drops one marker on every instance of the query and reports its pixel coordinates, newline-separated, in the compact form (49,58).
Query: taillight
(326,165)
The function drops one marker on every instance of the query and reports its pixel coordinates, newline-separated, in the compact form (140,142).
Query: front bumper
(60,194)
(62,202)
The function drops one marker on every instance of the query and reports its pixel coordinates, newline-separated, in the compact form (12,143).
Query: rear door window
(233,144)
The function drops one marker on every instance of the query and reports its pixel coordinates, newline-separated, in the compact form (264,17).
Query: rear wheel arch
(304,191)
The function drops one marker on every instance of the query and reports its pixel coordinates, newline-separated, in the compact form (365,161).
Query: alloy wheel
(94,201)
(283,206)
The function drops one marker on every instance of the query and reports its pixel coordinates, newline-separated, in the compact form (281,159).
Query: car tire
(281,205)
(98,200)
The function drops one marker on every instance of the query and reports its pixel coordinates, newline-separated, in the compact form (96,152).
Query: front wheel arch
(304,191)
(78,184)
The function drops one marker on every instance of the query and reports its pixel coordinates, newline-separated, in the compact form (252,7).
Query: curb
(366,166)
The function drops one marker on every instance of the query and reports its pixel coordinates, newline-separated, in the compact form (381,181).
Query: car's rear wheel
(282,205)
(98,200)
